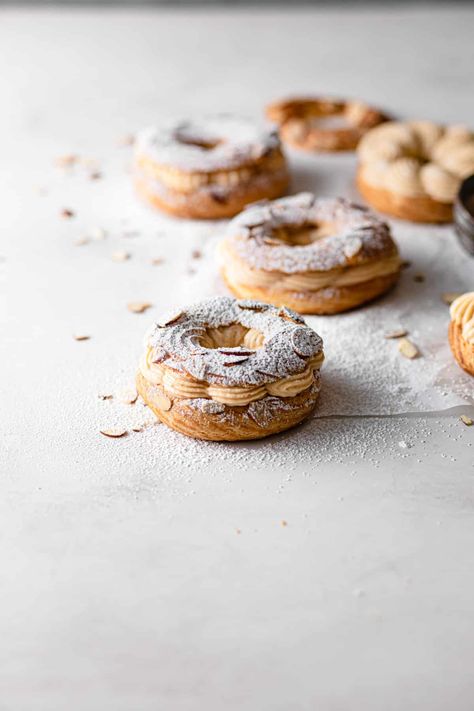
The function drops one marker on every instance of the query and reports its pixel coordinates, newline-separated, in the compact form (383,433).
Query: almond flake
(449,296)
(467,420)
(163,402)
(236,353)
(168,320)
(67,213)
(396,334)
(105,396)
(252,306)
(137,428)
(127,140)
(157,260)
(113,432)
(96,175)
(81,241)
(66,161)
(352,247)
(284,523)
(196,254)
(128,397)
(237,361)
(138,307)
(120,256)
(408,349)
(81,337)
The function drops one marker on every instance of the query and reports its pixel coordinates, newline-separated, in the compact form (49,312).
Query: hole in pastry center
(205,144)
(304,234)
(232,336)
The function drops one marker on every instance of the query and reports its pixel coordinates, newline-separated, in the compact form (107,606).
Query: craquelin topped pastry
(413,170)
(209,168)
(231,370)
(321,124)
(317,256)
(461,331)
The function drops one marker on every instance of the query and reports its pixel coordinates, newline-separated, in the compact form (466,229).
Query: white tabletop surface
(331,568)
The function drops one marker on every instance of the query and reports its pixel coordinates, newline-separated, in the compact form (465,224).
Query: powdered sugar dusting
(361,236)
(237,141)
(288,343)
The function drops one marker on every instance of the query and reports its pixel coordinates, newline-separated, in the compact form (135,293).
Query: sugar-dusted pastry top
(417,158)
(207,144)
(355,235)
(261,344)
(462,313)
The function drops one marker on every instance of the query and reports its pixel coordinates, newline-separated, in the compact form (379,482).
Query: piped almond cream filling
(462,313)
(179,385)
(238,273)
(182,181)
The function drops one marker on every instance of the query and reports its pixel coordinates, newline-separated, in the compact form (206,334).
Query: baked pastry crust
(461,331)
(209,169)
(305,123)
(414,170)
(314,256)
(227,424)
(231,370)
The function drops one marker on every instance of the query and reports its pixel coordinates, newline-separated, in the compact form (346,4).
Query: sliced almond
(196,254)
(66,161)
(127,140)
(67,213)
(157,261)
(120,256)
(138,307)
(252,306)
(237,361)
(237,353)
(128,397)
(168,320)
(105,396)
(408,349)
(396,334)
(449,296)
(284,523)
(163,402)
(95,175)
(114,432)
(81,337)
(467,420)
(305,342)
(81,241)
(137,428)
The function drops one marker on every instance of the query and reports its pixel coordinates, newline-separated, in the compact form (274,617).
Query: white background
(154,572)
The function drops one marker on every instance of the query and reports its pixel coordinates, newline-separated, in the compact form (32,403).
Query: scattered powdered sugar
(360,235)
(288,343)
(208,144)
(364,373)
